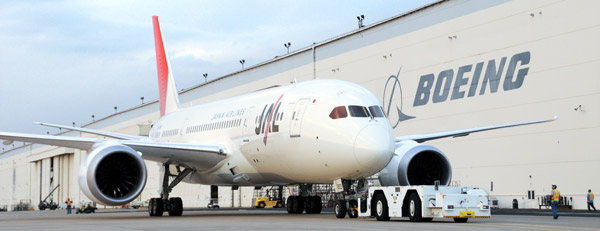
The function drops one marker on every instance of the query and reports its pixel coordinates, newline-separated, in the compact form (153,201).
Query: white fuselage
(285,135)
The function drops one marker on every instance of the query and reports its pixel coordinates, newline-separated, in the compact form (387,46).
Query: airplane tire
(380,207)
(150,207)
(298,205)
(339,208)
(176,206)
(308,204)
(317,204)
(155,207)
(289,204)
(353,210)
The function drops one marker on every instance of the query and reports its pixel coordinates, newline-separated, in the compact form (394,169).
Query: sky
(64,61)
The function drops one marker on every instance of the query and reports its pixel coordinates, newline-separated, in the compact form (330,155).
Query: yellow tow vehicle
(262,202)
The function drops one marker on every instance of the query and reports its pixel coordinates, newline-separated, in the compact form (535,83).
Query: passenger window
(338,112)
(358,111)
(376,111)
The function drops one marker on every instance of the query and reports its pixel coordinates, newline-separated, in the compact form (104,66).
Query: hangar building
(449,65)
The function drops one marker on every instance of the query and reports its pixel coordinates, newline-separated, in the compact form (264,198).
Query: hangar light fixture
(287,46)
(205,77)
(242,61)
(360,20)
(93,118)
(142,99)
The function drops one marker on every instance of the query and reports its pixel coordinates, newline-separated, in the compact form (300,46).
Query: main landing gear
(298,204)
(174,205)
(348,204)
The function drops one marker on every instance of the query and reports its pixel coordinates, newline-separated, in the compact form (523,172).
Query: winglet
(169,100)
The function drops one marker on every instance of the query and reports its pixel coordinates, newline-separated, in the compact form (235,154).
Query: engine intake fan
(416,164)
(112,174)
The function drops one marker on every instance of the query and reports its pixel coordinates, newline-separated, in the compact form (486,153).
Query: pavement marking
(533,227)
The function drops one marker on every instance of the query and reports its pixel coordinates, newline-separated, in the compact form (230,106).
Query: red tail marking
(161,64)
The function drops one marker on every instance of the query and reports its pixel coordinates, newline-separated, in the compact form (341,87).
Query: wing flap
(464,132)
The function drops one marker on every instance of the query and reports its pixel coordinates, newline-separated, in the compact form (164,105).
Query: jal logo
(393,88)
(456,83)
(268,121)
(262,121)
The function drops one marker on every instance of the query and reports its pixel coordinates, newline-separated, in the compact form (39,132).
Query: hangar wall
(451,65)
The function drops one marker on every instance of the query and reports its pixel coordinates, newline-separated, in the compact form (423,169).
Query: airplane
(312,132)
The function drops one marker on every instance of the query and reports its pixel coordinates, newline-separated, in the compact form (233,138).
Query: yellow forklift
(272,198)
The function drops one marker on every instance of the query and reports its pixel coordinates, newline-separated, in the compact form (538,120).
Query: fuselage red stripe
(271,116)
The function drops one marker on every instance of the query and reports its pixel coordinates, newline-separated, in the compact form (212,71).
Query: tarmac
(546,212)
(279,219)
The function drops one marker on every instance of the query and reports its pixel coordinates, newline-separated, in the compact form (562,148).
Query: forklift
(272,198)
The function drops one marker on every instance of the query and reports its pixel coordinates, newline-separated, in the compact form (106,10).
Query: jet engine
(416,164)
(112,174)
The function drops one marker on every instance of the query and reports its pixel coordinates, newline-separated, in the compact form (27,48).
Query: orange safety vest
(555,196)
(591,196)
(68,203)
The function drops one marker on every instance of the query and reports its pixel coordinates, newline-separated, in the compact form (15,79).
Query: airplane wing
(464,132)
(61,141)
(202,156)
(95,132)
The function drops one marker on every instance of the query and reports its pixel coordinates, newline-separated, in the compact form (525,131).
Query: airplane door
(296,121)
(248,125)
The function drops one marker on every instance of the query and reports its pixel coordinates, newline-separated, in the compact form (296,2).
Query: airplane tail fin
(169,99)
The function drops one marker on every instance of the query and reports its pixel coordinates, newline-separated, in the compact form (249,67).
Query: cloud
(63,61)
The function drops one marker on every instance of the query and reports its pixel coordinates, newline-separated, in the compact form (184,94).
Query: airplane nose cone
(374,146)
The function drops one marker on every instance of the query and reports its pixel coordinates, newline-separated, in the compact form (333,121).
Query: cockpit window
(376,111)
(384,113)
(358,111)
(338,112)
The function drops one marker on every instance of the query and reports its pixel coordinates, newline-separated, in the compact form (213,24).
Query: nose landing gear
(349,203)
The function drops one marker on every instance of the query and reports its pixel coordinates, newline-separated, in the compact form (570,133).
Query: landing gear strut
(348,204)
(174,205)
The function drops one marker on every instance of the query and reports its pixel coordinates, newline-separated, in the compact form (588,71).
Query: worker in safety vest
(69,205)
(590,200)
(555,198)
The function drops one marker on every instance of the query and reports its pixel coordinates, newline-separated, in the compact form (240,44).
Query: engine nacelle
(112,174)
(416,164)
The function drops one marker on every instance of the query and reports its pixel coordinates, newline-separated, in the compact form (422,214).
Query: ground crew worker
(69,205)
(590,200)
(555,198)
